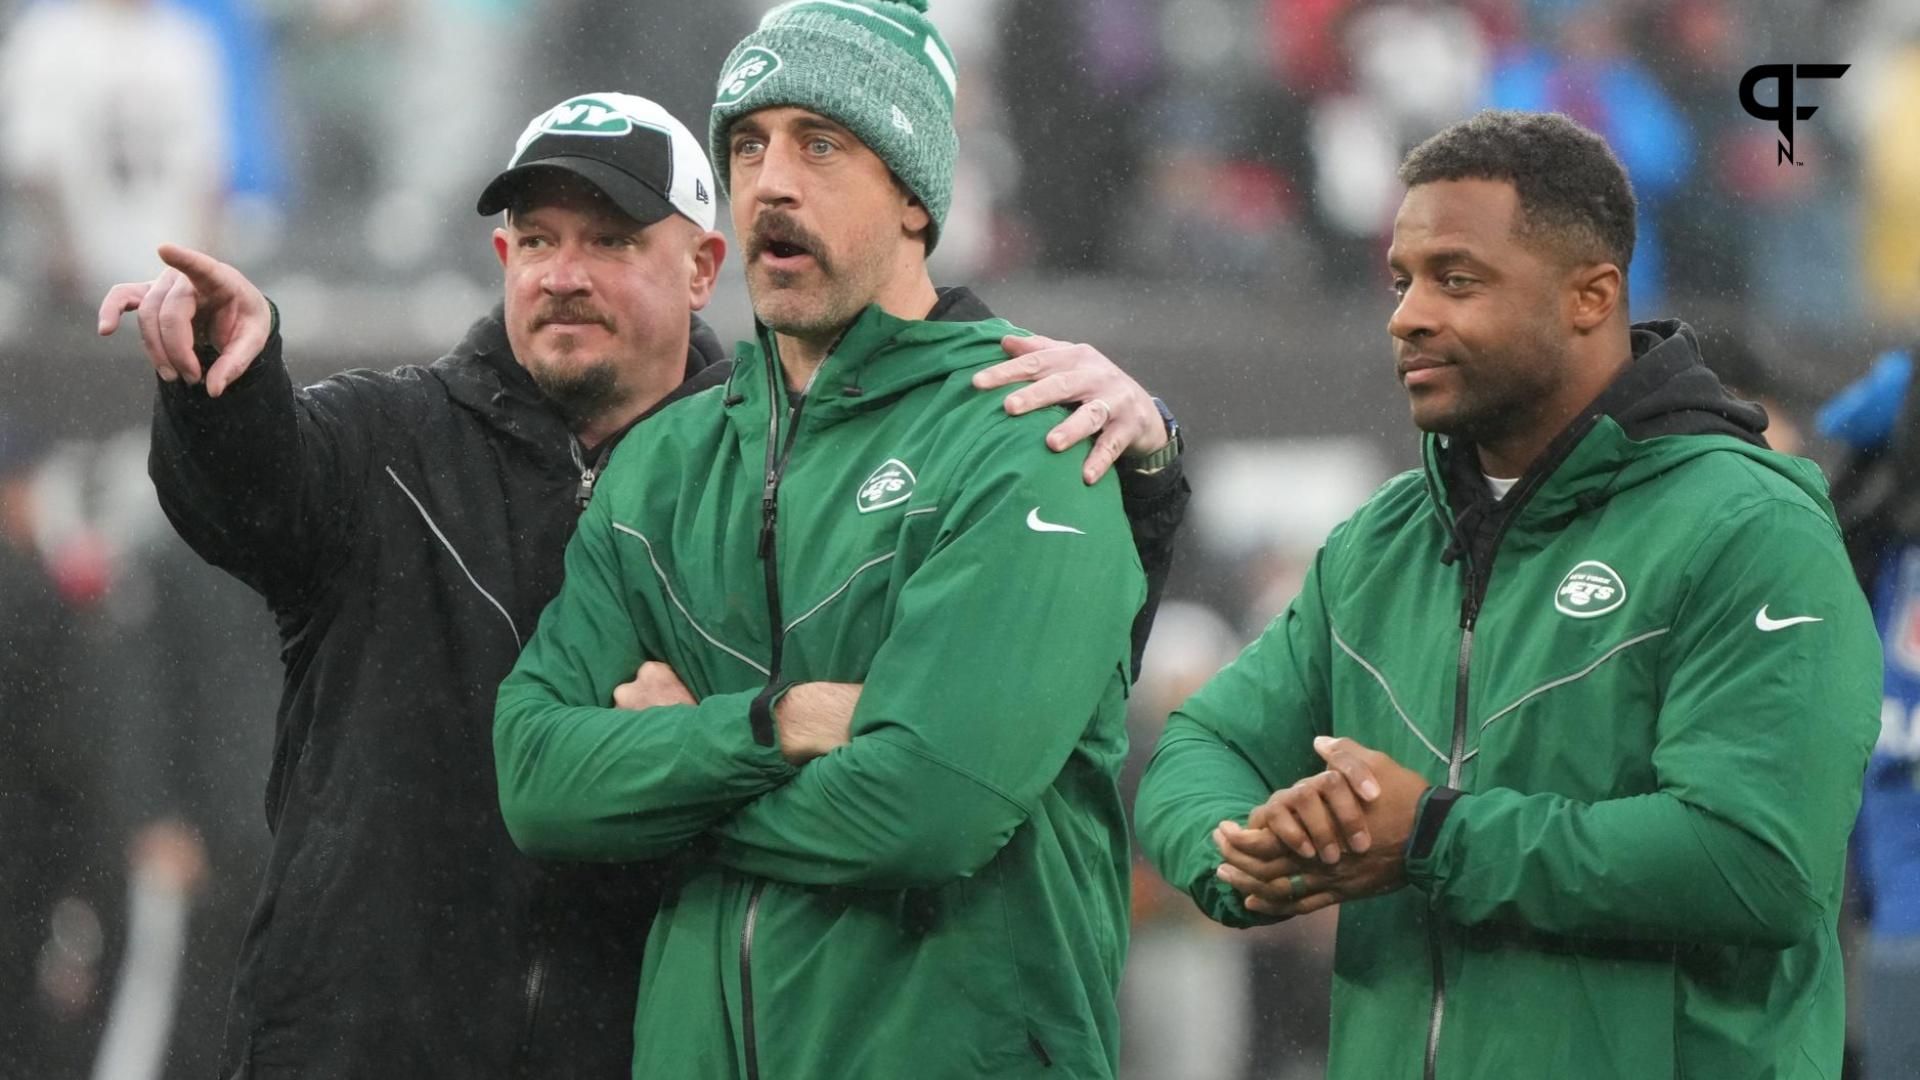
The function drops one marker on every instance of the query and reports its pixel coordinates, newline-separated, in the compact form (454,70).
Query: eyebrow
(747,125)
(821,123)
(1443,257)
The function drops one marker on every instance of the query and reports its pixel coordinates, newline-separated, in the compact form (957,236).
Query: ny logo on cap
(586,116)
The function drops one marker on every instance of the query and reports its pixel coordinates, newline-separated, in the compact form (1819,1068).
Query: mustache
(570,311)
(774,227)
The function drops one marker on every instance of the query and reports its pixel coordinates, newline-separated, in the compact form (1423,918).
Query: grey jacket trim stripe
(451,550)
(1382,680)
(667,587)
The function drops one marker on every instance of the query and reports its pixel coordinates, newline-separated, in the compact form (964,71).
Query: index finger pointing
(200,268)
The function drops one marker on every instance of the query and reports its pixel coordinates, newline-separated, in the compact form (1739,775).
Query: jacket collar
(877,358)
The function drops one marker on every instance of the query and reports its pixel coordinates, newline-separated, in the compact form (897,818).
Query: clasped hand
(1337,835)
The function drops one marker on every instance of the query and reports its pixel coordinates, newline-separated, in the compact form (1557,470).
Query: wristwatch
(1148,464)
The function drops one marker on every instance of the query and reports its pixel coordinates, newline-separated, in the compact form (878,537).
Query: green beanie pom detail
(877,67)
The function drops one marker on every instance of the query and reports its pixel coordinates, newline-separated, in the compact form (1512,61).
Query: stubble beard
(818,311)
(1497,406)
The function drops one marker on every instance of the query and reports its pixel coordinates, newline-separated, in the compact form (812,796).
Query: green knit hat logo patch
(754,67)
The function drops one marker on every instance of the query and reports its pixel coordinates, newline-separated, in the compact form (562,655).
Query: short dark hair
(1574,193)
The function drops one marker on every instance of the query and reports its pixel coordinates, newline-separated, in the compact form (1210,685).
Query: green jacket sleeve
(582,780)
(1244,735)
(1762,738)
(1006,641)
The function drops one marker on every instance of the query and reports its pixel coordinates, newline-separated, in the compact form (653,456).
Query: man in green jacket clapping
(869,636)
(1572,721)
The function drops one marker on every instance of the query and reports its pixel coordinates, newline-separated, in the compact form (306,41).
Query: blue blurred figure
(1877,494)
(1591,78)
(257,162)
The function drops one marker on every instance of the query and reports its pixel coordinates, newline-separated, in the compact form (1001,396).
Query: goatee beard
(580,395)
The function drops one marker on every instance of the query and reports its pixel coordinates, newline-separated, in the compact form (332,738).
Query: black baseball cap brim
(634,198)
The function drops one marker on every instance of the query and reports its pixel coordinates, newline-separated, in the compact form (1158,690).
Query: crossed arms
(950,744)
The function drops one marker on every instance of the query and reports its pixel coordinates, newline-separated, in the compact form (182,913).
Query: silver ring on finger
(1296,886)
(1106,410)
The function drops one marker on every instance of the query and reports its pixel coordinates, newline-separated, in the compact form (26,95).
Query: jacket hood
(483,375)
(1664,408)
(878,358)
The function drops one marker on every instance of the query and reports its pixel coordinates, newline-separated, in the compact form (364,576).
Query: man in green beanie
(880,632)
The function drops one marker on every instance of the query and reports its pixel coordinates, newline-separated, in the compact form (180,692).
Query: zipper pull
(769,513)
(1470,603)
(584,491)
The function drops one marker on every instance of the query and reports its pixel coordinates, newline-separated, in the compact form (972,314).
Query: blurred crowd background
(1202,188)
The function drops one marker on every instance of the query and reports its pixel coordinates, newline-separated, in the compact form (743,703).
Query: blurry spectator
(1359,136)
(1699,51)
(52,788)
(112,131)
(1891,175)
(342,59)
(1075,73)
(1185,1009)
(132,763)
(439,111)
(1588,75)
(190,741)
(1878,495)
(256,184)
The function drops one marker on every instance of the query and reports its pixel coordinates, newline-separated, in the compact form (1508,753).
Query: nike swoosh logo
(1034,523)
(1767,625)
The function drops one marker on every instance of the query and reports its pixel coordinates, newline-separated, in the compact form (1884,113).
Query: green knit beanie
(878,67)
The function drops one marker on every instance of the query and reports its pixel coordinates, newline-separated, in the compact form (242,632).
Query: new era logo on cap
(633,150)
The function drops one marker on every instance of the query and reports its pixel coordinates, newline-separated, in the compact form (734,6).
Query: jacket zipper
(1469,614)
(746,981)
(1477,581)
(583,493)
(777,459)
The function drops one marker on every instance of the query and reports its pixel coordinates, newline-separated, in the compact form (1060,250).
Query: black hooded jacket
(407,529)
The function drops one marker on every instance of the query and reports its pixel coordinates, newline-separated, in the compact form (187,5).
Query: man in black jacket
(407,529)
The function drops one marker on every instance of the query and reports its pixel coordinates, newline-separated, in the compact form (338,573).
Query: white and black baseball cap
(646,162)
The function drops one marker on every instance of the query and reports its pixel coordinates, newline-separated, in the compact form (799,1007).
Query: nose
(565,272)
(778,182)
(1414,316)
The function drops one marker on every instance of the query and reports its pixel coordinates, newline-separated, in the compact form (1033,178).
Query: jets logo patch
(890,485)
(1590,589)
(754,67)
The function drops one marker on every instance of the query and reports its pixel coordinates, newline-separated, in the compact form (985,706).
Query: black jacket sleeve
(1156,504)
(262,481)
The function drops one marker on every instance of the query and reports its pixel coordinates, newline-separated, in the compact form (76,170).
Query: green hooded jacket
(1651,674)
(946,895)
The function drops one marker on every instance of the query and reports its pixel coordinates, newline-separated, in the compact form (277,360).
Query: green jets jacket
(945,896)
(1644,686)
